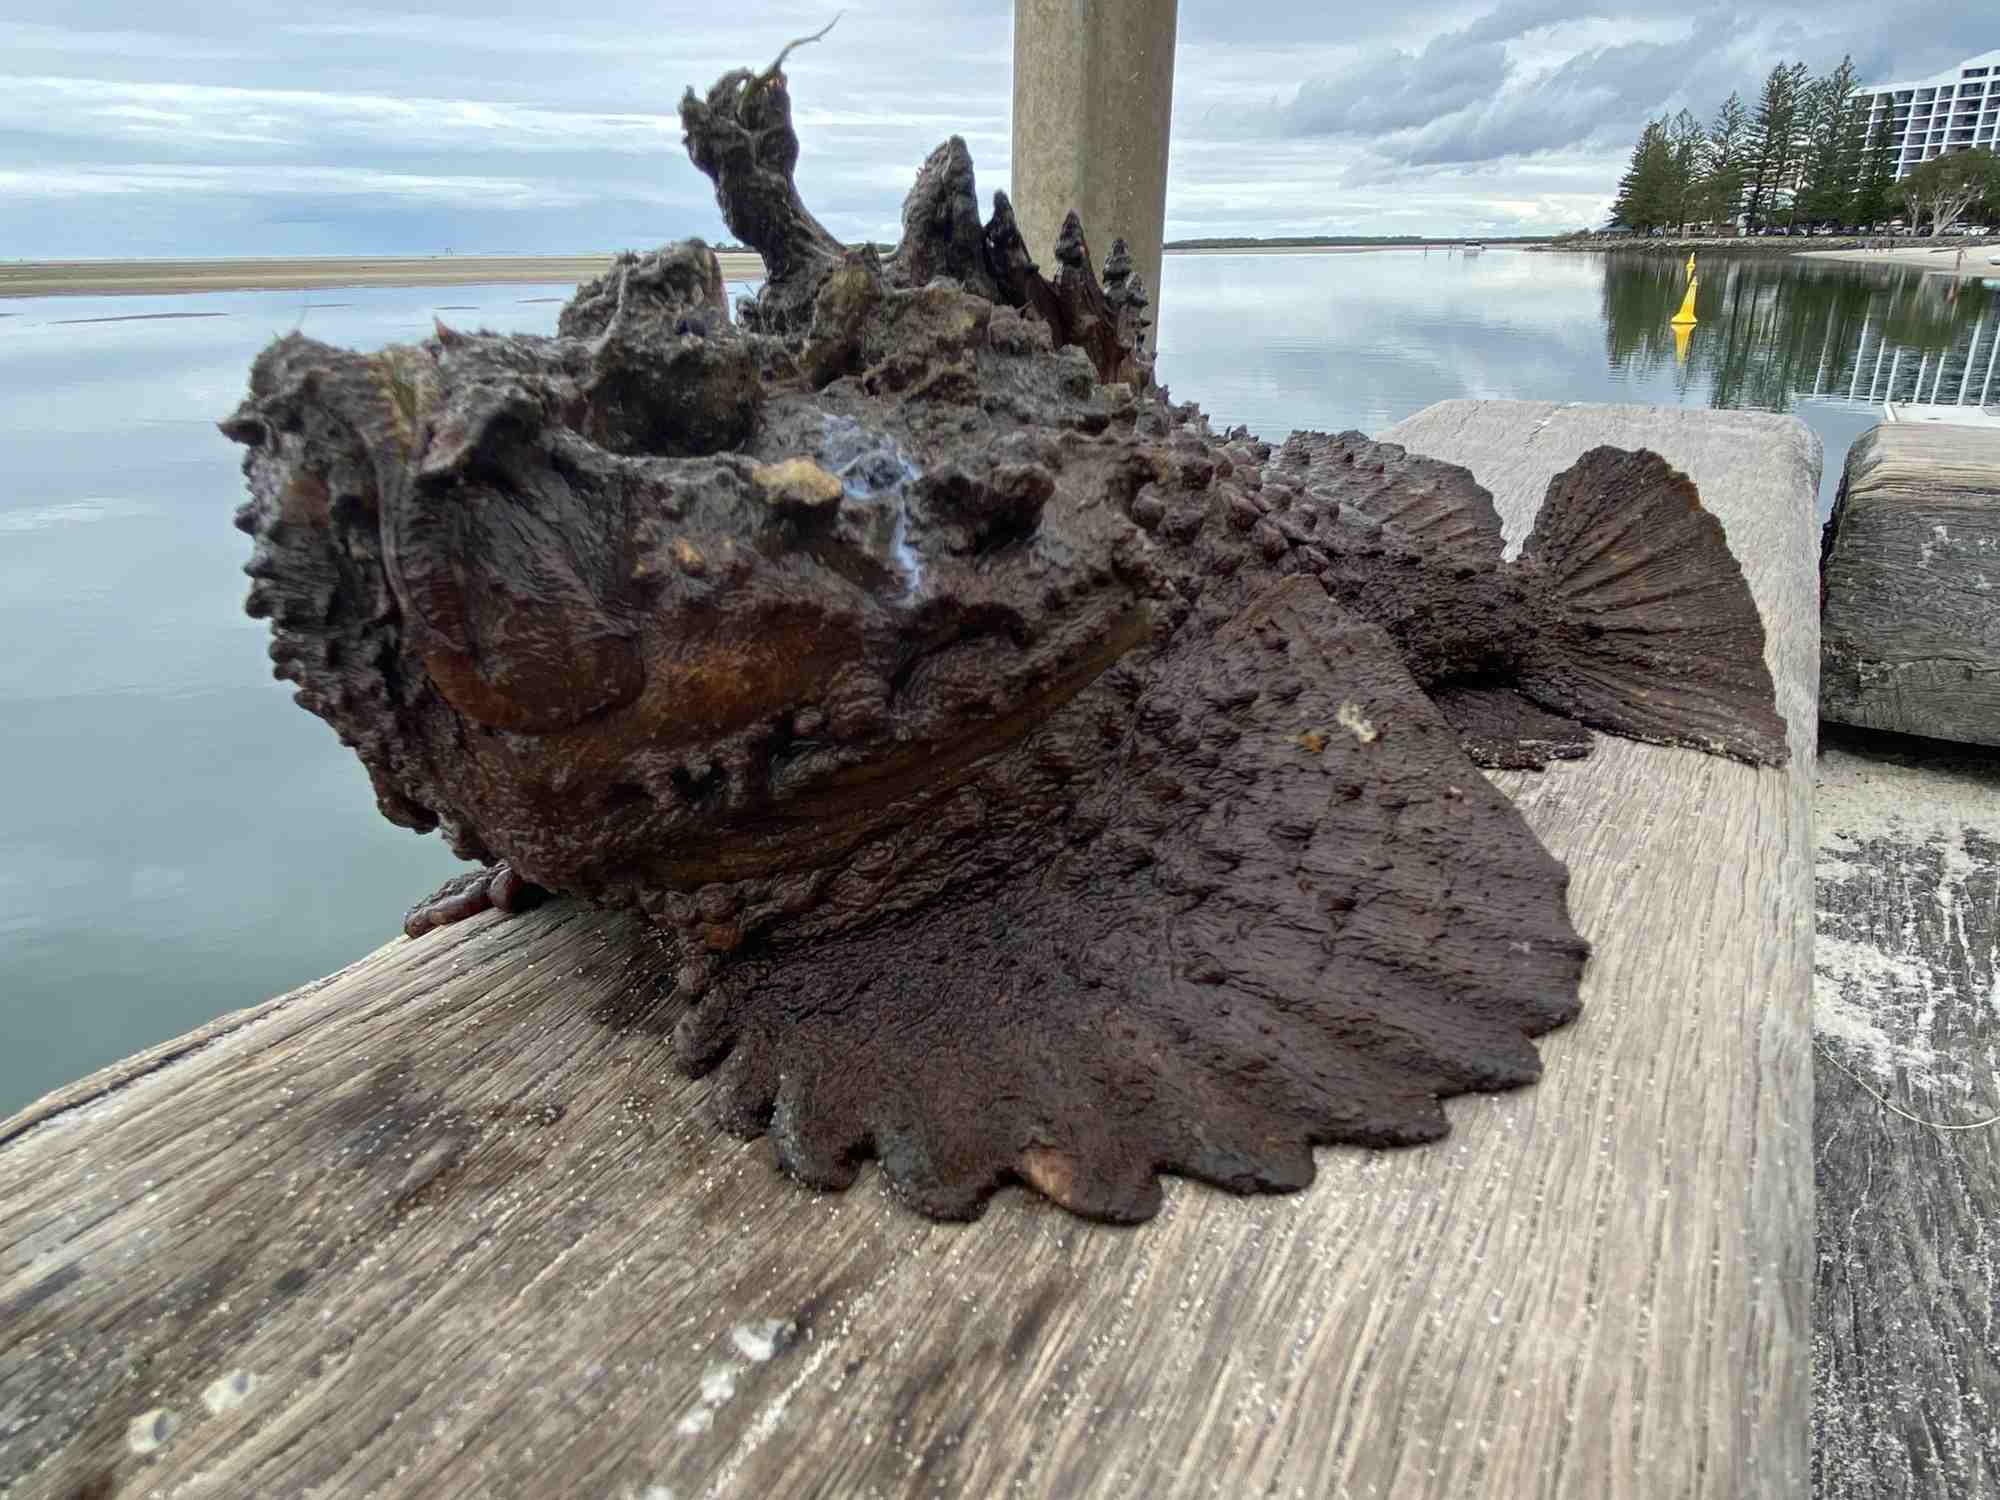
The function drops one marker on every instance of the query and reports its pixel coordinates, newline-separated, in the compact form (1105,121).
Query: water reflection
(1774,331)
(177,840)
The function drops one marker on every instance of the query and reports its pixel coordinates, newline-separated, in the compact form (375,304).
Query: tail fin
(1653,632)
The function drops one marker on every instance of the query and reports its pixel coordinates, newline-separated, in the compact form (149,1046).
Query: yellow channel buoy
(1686,314)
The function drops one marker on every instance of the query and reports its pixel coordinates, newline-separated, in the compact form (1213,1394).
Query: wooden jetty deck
(1942,413)
(1906,1325)
(448,1224)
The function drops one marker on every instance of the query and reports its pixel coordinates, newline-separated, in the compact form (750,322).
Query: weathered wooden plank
(449,1224)
(1906,1329)
(1911,619)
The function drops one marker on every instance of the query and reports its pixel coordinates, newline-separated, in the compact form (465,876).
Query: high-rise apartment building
(1951,111)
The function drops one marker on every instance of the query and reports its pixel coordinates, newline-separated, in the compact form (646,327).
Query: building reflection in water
(1774,330)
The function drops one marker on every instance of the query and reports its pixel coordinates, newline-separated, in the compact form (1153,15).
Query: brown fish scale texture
(1194,972)
(1038,785)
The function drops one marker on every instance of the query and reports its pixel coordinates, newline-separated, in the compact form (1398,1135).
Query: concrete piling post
(1093,96)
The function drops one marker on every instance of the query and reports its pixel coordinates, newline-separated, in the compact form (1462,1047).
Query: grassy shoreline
(1736,245)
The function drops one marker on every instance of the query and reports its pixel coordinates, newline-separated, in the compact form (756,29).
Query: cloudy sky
(264,127)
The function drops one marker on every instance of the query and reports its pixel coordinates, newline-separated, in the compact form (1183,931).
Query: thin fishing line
(1898,1109)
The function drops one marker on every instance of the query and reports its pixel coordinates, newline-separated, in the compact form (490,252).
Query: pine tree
(1795,161)
(1854,157)
(1826,116)
(1689,147)
(1625,207)
(1775,150)
(1876,199)
(1646,191)
(1728,144)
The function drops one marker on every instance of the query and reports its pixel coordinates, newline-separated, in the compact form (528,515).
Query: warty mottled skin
(1035,784)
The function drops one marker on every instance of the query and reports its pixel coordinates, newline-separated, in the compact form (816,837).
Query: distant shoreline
(156,278)
(140,278)
(1348,249)
(1284,245)
(1854,250)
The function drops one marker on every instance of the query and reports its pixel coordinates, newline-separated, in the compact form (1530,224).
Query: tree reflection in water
(1774,330)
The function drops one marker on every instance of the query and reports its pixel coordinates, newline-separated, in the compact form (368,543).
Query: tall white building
(1951,111)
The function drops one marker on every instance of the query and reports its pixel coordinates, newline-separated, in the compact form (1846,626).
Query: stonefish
(1037,785)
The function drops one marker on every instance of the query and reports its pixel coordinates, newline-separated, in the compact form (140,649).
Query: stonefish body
(1037,785)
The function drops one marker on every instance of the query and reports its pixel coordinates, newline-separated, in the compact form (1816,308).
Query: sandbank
(99,278)
(1943,259)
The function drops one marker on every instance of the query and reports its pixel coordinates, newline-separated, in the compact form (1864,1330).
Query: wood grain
(1906,1326)
(448,1225)
(1911,619)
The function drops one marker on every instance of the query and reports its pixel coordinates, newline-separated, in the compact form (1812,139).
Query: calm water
(178,840)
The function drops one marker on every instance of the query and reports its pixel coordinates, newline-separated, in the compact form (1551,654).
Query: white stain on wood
(1906,1368)
(758,1341)
(227,1392)
(148,1432)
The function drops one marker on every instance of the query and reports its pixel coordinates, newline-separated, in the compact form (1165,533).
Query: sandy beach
(1979,255)
(111,278)
(101,278)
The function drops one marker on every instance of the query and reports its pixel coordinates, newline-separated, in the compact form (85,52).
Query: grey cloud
(1520,17)
(1590,100)
(541,111)
(312,131)
(1231,23)
(1464,98)
(1393,90)
(1483,106)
